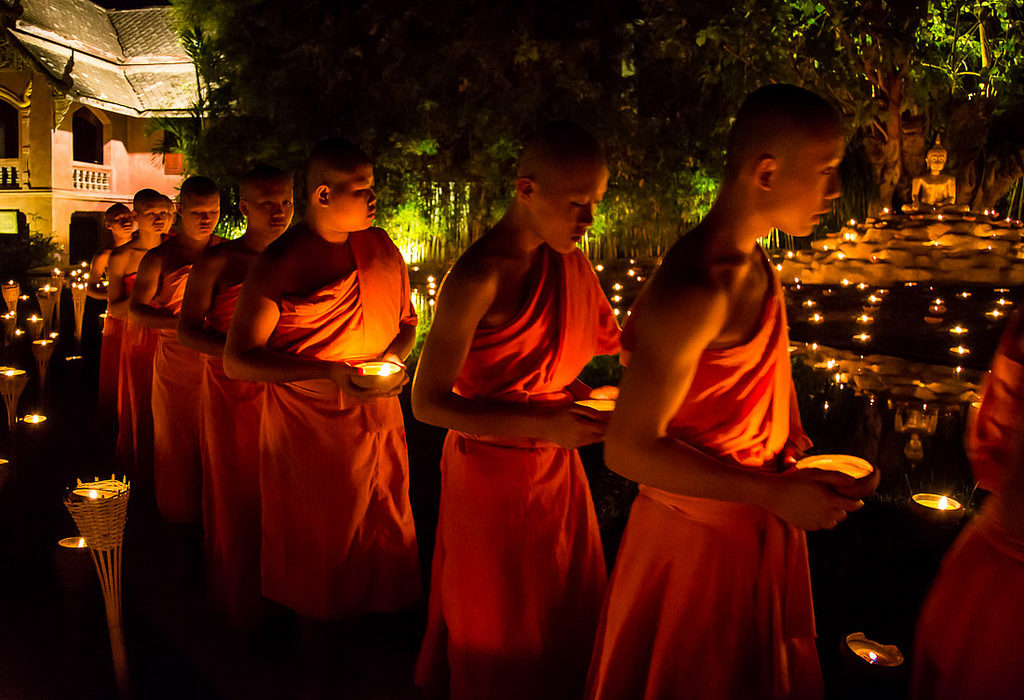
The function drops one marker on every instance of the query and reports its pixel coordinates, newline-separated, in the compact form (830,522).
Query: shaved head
(330,157)
(198,187)
(260,177)
(772,120)
(557,148)
(150,198)
(114,211)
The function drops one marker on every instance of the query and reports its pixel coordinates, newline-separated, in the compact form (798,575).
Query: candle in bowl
(98,490)
(937,502)
(73,543)
(598,404)
(34,418)
(847,464)
(873,652)
(381,375)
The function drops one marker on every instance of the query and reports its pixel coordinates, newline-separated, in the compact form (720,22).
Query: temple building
(79,87)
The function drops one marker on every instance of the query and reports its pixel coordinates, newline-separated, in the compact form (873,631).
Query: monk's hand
(341,373)
(850,487)
(608,392)
(789,456)
(574,426)
(810,499)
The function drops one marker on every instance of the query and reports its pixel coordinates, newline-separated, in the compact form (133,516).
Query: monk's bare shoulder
(690,291)
(475,276)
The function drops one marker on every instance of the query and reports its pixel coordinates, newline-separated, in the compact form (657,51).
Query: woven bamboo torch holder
(99,509)
(10,323)
(42,350)
(12,382)
(47,297)
(11,292)
(78,298)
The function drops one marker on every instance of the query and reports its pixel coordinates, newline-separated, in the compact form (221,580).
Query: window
(8,130)
(86,137)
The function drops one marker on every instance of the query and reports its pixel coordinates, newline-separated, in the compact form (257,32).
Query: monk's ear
(322,195)
(243,206)
(766,169)
(525,187)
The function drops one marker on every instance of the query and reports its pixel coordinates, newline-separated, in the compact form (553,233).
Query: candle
(847,464)
(380,375)
(935,501)
(72,542)
(598,404)
(873,652)
(34,418)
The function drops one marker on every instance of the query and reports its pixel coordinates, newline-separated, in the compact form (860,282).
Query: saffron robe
(968,635)
(518,573)
(134,412)
(989,434)
(229,419)
(110,358)
(338,533)
(177,371)
(712,599)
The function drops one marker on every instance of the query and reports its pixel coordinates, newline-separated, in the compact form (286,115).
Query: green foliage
(442,95)
(24,252)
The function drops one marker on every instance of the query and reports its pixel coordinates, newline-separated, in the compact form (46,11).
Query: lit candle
(34,418)
(873,652)
(958,330)
(960,350)
(937,502)
(597,404)
(816,318)
(72,543)
(862,337)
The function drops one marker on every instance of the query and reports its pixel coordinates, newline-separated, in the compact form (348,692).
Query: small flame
(943,503)
(872,657)
(81,542)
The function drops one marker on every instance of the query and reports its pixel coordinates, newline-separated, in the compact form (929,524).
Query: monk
(154,215)
(518,571)
(968,635)
(710,595)
(119,221)
(155,303)
(229,410)
(332,291)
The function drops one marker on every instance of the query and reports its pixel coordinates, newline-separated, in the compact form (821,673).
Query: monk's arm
(246,355)
(97,267)
(199,293)
(401,346)
(677,326)
(462,302)
(117,292)
(147,284)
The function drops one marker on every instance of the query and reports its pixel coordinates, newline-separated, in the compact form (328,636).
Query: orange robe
(712,599)
(338,534)
(177,371)
(518,571)
(968,636)
(229,419)
(110,357)
(989,433)
(134,413)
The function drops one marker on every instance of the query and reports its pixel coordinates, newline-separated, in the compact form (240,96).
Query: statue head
(936,156)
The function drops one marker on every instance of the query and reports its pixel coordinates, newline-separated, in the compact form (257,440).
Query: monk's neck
(256,241)
(190,246)
(731,227)
(146,240)
(517,236)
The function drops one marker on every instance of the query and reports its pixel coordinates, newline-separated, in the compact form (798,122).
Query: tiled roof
(127,61)
(146,32)
(79,21)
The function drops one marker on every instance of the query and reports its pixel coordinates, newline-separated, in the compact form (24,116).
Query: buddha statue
(935,191)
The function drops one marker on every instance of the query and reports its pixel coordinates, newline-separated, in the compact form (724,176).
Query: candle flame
(872,657)
(943,503)
(81,542)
